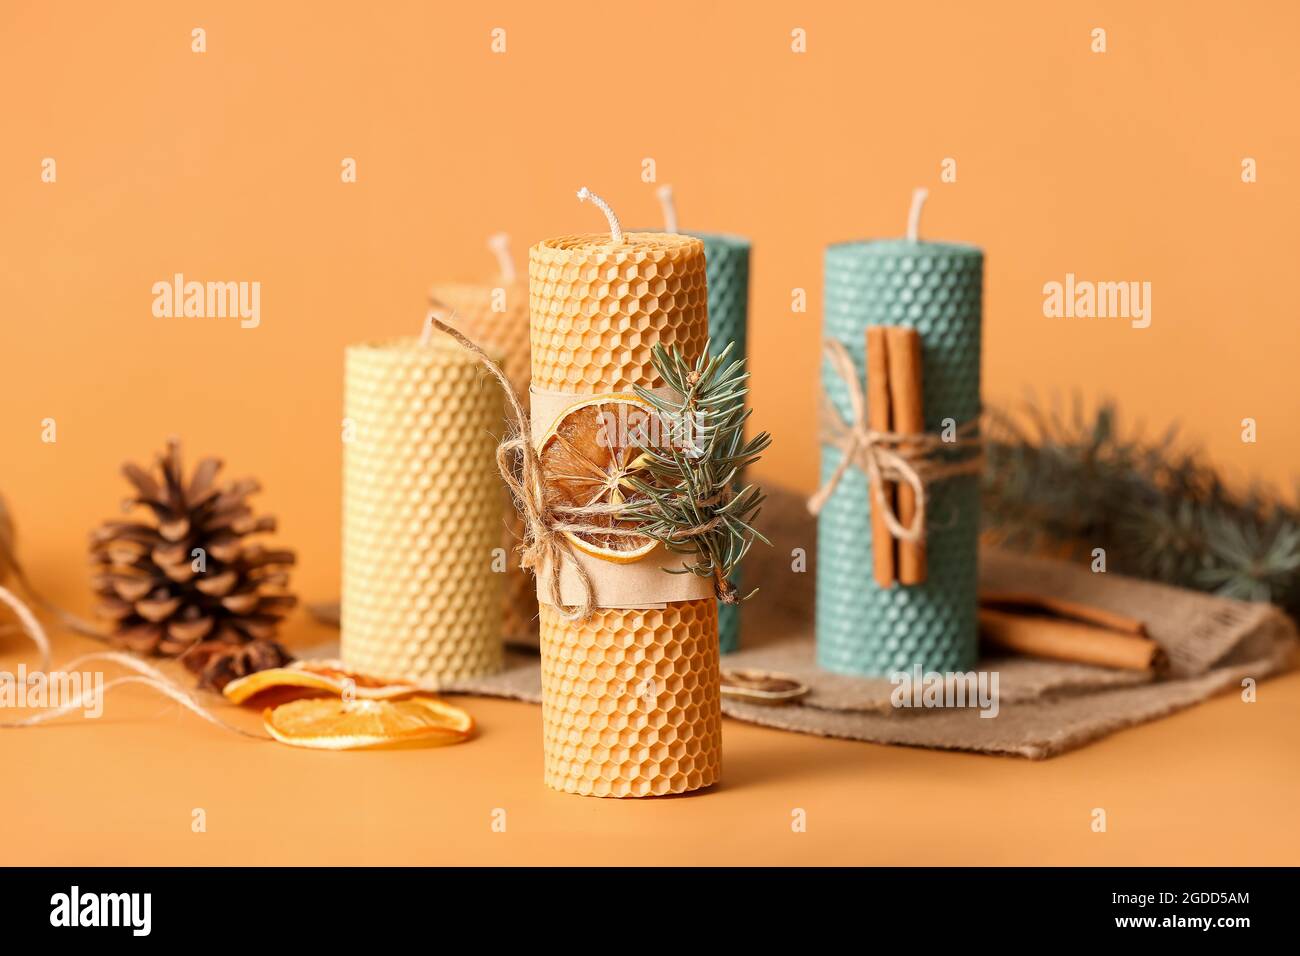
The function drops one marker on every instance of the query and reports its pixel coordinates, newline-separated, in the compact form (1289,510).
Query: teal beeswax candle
(863,628)
(726,267)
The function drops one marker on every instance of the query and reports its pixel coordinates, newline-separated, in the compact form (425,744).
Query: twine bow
(916,459)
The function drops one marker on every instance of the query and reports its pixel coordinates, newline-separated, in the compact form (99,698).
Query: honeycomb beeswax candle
(495,316)
(726,267)
(422,513)
(862,627)
(631,701)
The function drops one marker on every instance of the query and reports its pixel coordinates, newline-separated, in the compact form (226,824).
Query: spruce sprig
(692,499)
(1075,480)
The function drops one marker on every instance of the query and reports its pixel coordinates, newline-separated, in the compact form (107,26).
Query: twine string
(29,624)
(544,543)
(917,459)
(146,675)
(66,618)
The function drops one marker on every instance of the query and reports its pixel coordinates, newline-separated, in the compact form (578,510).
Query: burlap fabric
(1044,707)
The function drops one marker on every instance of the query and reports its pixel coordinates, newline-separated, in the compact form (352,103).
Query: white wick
(500,244)
(615,230)
(665,194)
(919,195)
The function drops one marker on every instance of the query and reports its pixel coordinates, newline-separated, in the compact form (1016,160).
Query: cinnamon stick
(1060,607)
(880,419)
(1064,640)
(903,347)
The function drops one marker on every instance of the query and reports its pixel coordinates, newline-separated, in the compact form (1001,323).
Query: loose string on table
(145,675)
(66,618)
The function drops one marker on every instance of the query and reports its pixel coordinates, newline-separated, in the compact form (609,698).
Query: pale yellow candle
(422,513)
(495,316)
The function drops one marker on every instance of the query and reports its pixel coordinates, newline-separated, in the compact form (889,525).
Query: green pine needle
(693,475)
(1073,481)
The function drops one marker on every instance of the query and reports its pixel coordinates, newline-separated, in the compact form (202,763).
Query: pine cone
(218,662)
(190,577)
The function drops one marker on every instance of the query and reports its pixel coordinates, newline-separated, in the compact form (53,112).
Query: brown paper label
(639,584)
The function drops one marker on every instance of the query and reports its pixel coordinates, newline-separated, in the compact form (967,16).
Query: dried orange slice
(588,457)
(329,724)
(320,675)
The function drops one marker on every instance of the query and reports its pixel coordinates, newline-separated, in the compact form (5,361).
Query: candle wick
(615,230)
(500,245)
(665,194)
(914,216)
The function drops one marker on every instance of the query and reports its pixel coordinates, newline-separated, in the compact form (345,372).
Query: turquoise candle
(726,267)
(862,628)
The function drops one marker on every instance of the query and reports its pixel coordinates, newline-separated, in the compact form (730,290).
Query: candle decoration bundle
(631,697)
(495,316)
(422,515)
(638,436)
(906,316)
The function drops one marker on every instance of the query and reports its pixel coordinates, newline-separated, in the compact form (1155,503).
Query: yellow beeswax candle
(492,314)
(422,513)
(495,316)
(630,697)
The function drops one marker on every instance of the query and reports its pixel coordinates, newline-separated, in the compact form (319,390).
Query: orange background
(1215,785)
(226,166)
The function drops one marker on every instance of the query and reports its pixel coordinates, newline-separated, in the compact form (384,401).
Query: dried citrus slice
(320,675)
(330,724)
(588,457)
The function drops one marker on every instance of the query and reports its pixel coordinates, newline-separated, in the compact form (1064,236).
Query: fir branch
(691,502)
(1073,481)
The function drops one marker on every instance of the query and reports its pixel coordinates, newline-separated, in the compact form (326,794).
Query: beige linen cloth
(1044,707)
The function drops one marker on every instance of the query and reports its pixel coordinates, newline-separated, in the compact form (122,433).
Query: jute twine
(919,459)
(67,618)
(547,524)
(146,675)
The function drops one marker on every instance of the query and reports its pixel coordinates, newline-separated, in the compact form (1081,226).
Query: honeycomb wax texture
(597,310)
(726,264)
(631,701)
(504,335)
(631,708)
(861,627)
(422,513)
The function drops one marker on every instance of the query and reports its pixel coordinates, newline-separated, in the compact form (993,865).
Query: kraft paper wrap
(504,334)
(630,698)
(422,513)
(643,584)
